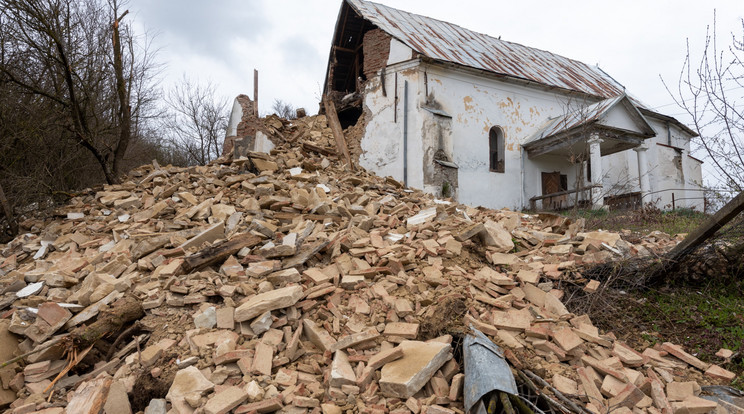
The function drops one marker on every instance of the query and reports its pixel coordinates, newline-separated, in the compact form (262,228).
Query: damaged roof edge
(452,43)
(333,42)
(670,119)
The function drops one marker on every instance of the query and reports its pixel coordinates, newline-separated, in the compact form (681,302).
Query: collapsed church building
(498,124)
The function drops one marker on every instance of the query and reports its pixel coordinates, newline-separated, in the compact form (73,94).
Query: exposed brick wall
(247,125)
(376,46)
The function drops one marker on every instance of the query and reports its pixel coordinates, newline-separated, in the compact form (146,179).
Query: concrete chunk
(341,371)
(677,351)
(269,301)
(693,405)
(225,400)
(404,377)
(212,233)
(318,336)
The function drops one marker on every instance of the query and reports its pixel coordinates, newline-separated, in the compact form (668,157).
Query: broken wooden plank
(338,133)
(708,229)
(305,254)
(220,251)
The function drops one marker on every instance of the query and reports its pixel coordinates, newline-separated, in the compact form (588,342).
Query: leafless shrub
(195,123)
(709,90)
(284,109)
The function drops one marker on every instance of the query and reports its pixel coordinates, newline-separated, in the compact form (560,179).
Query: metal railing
(534,200)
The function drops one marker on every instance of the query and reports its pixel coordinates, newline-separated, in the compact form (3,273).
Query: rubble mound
(283,282)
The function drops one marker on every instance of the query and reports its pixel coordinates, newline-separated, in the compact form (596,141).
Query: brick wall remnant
(247,126)
(376,47)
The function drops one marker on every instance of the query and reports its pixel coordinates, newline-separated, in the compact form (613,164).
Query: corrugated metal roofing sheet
(451,43)
(587,115)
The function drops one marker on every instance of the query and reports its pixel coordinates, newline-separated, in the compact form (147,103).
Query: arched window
(496,149)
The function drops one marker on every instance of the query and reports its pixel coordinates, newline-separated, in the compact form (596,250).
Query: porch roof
(616,120)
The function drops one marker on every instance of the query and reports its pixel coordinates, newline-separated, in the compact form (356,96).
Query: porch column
(643,179)
(596,159)
(684,169)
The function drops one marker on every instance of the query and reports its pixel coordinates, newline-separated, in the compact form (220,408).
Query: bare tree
(197,120)
(284,109)
(709,90)
(77,56)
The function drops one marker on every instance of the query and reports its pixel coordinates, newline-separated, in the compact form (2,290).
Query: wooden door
(551,182)
(554,182)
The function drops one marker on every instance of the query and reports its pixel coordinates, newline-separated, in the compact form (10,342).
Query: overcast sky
(288,41)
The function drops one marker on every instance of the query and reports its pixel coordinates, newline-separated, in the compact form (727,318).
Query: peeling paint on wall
(468,102)
(476,104)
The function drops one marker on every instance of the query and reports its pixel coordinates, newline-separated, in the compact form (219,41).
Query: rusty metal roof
(451,43)
(589,114)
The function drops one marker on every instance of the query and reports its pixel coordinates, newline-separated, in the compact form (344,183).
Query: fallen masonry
(284,282)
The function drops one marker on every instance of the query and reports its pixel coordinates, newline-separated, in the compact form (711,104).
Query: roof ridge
(498,39)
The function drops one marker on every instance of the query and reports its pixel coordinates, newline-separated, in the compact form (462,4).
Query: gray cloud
(298,52)
(204,27)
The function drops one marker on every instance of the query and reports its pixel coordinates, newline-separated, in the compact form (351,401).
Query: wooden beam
(708,229)
(338,133)
(255,92)
(219,251)
(8,211)
(343,49)
(550,144)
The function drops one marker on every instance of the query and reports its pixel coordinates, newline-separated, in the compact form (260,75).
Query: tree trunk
(125,110)
(111,321)
(8,210)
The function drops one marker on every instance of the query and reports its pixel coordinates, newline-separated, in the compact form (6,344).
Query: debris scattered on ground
(284,282)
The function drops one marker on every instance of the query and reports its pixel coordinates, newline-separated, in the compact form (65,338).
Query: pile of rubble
(284,283)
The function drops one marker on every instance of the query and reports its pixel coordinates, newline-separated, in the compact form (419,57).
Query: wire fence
(711,199)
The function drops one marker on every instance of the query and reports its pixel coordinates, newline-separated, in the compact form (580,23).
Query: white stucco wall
(665,175)
(382,144)
(236,114)
(476,102)
(399,52)
(263,143)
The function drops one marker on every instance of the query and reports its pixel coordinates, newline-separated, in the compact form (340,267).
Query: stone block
(354,339)
(268,301)
(404,377)
(262,359)
(117,400)
(212,233)
(693,405)
(225,400)
(567,339)
(718,373)
(627,397)
(402,329)
(678,352)
(318,336)
(341,371)
(565,385)
(225,318)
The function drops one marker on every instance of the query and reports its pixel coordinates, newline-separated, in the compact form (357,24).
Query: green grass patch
(642,222)
(701,320)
